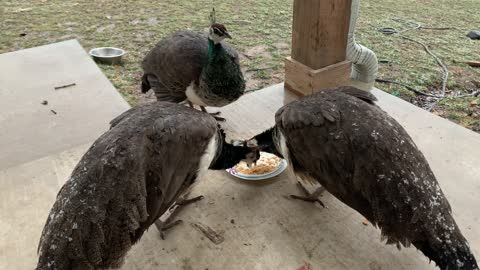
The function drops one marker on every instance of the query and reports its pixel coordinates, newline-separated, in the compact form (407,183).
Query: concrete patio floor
(80,113)
(262,229)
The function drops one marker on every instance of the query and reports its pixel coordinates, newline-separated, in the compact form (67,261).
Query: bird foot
(313,197)
(163,226)
(219,119)
(310,199)
(214,114)
(185,202)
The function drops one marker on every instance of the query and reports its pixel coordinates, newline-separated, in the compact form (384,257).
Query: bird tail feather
(448,257)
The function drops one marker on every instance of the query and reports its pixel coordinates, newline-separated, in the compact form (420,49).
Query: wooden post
(319,45)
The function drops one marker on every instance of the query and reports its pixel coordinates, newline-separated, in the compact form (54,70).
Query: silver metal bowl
(107,55)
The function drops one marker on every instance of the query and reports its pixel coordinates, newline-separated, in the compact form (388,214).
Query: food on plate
(266,164)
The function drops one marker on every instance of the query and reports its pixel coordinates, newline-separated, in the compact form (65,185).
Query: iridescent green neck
(213,49)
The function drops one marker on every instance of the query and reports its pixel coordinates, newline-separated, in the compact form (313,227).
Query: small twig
(212,235)
(308,199)
(54,112)
(64,86)
(249,57)
(259,69)
(470,63)
(189,201)
(171,225)
(240,22)
(439,28)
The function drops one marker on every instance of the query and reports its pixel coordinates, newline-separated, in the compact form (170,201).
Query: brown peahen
(362,156)
(128,178)
(196,67)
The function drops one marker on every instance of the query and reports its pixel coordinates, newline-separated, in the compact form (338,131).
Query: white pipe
(365,63)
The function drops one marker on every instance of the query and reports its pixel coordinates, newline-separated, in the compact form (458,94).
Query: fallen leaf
(305,266)
(22,10)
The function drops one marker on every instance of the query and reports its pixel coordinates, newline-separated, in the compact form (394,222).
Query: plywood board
(303,80)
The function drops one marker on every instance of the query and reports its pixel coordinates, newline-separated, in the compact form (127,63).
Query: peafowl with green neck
(196,67)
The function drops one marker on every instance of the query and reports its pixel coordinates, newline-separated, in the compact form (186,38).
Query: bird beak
(227,35)
(252,143)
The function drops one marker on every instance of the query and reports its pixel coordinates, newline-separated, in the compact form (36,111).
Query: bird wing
(307,125)
(355,92)
(316,134)
(124,182)
(132,111)
(183,137)
(174,63)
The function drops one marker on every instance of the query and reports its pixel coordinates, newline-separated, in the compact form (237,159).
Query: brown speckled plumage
(366,159)
(126,180)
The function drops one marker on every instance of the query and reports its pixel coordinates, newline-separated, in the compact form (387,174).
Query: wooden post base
(302,80)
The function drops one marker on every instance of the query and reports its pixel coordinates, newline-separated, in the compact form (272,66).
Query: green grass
(262,32)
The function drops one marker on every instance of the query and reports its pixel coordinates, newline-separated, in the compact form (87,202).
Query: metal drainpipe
(365,63)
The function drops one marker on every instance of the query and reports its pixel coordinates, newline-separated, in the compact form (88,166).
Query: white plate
(281,167)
